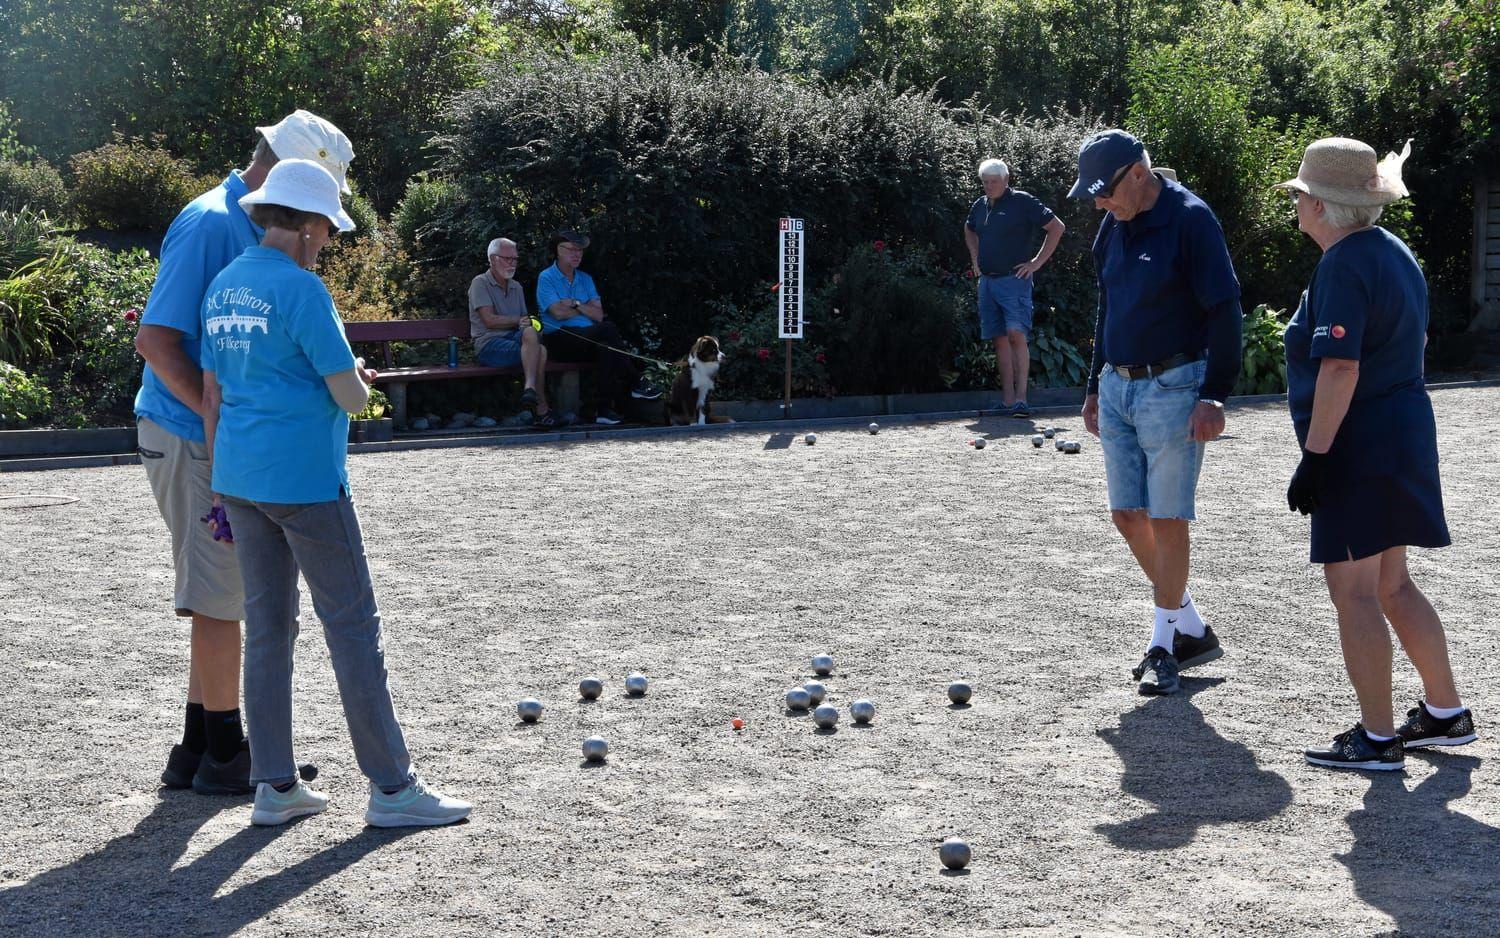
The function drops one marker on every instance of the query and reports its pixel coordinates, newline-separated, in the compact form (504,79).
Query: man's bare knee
(1129,520)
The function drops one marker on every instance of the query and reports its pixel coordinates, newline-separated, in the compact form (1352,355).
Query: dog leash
(644,358)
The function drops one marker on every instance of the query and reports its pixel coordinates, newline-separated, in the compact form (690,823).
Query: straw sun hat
(1344,171)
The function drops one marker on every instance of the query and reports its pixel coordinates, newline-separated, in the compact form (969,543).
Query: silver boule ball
(862,710)
(1050,432)
(811,438)
(798,699)
(1037,440)
(595,748)
(979,443)
(959,692)
(590,688)
(826,716)
(815,691)
(635,684)
(529,709)
(822,665)
(1060,443)
(1074,447)
(874,428)
(954,853)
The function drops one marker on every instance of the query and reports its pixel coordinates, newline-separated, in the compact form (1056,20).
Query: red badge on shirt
(1337,332)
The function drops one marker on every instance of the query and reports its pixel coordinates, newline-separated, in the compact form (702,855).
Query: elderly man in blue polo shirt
(1001,233)
(211,231)
(1166,354)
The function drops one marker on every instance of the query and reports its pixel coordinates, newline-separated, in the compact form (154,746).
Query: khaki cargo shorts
(208,575)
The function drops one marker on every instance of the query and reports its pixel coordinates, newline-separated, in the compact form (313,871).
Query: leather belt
(1135,372)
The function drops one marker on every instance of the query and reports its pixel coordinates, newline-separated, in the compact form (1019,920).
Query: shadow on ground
(1195,777)
(133,885)
(1428,867)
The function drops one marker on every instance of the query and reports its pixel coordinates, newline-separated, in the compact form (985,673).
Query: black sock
(194,736)
(225,735)
(285,787)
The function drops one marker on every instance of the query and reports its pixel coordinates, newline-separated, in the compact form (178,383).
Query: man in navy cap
(1166,354)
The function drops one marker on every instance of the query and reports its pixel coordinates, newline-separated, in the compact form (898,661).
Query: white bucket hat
(303,135)
(1346,172)
(303,185)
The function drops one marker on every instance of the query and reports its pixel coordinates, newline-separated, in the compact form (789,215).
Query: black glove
(1307,482)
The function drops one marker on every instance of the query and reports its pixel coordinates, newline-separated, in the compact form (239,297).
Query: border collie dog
(688,403)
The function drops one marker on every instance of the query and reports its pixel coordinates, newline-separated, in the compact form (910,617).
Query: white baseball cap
(303,135)
(303,185)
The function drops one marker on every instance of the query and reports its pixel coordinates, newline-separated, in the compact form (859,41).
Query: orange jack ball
(737,723)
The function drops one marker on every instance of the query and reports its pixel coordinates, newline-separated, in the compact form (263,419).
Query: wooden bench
(393,380)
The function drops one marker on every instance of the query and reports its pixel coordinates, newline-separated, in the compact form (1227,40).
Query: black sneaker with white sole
(1422,729)
(1191,652)
(607,417)
(1163,678)
(1354,749)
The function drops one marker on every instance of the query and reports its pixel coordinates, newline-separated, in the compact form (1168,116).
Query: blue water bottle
(452,352)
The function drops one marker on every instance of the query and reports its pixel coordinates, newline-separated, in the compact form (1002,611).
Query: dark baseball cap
(1100,157)
(571,236)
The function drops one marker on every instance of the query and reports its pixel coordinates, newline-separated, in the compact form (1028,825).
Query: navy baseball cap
(1100,157)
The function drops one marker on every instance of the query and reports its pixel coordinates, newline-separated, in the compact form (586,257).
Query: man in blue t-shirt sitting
(204,238)
(1166,354)
(574,328)
(1001,232)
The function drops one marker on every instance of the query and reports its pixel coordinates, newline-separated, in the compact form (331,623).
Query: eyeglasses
(1114,183)
(514,259)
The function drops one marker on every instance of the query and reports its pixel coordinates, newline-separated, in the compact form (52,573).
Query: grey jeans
(322,540)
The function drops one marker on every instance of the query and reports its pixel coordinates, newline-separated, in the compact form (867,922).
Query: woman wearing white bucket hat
(1369,468)
(279,382)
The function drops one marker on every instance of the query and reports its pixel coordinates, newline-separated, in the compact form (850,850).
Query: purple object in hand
(220,521)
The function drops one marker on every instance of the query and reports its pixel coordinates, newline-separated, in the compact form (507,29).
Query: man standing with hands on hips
(1167,349)
(1001,235)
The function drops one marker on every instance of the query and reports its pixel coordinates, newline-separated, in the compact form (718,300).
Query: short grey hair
(263,154)
(1145,160)
(993,167)
(497,244)
(1339,215)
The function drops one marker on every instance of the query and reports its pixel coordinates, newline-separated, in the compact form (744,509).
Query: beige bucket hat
(303,135)
(1346,171)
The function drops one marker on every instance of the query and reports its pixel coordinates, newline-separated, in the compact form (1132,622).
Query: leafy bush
(129,185)
(755,360)
(367,277)
(1264,367)
(23,399)
(375,407)
(25,236)
(29,318)
(32,185)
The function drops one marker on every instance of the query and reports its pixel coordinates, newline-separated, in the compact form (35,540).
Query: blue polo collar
(1165,209)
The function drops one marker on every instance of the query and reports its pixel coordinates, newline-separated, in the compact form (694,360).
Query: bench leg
(396,393)
(567,396)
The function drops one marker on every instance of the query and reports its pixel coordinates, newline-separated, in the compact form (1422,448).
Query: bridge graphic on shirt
(237,322)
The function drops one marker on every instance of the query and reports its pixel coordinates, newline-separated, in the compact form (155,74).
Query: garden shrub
(25,236)
(367,277)
(1263,370)
(23,399)
(35,185)
(132,185)
(29,316)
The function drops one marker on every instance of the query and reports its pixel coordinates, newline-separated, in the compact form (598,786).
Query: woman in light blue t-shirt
(279,383)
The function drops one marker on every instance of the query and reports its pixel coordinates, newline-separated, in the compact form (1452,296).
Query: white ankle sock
(1378,739)
(1164,628)
(1444,713)
(1189,622)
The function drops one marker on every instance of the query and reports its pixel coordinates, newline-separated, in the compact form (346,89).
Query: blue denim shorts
(1150,459)
(1004,306)
(501,351)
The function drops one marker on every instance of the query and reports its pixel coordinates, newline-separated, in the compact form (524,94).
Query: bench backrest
(405,330)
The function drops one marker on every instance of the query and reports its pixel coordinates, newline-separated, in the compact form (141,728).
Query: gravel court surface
(718,565)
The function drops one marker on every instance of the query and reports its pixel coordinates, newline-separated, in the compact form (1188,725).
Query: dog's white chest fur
(703,374)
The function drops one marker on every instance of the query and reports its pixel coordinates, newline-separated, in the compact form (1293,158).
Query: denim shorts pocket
(1182,378)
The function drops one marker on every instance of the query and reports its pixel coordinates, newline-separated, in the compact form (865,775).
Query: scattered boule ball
(811,438)
(590,688)
(1037,441)
(529,709)
(826,716)
(979,443)
(874,428)
(1050,432)
(798,699)
(815,691)
(862,710)
(595,748)
(1074,447)
(954,853)
(635,685)
(822,665)
(1060,444)
(960,692)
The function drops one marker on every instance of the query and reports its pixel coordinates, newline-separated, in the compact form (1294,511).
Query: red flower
(131,315)
(880,245)
(734,336)
(820,358)
(969,274)
(763,354)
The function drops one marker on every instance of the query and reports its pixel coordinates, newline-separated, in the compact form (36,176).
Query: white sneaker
(274,807)
(414,806)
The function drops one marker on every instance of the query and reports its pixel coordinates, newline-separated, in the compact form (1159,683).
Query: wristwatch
(1206,400)
(577,305)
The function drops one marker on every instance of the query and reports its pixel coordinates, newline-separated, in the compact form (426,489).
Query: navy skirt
(1381,488)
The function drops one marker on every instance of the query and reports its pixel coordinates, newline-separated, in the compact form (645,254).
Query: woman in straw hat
(1369,469)
(279,383)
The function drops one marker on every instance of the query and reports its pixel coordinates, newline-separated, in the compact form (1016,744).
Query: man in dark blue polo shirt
(1001,232)
(1166,354)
